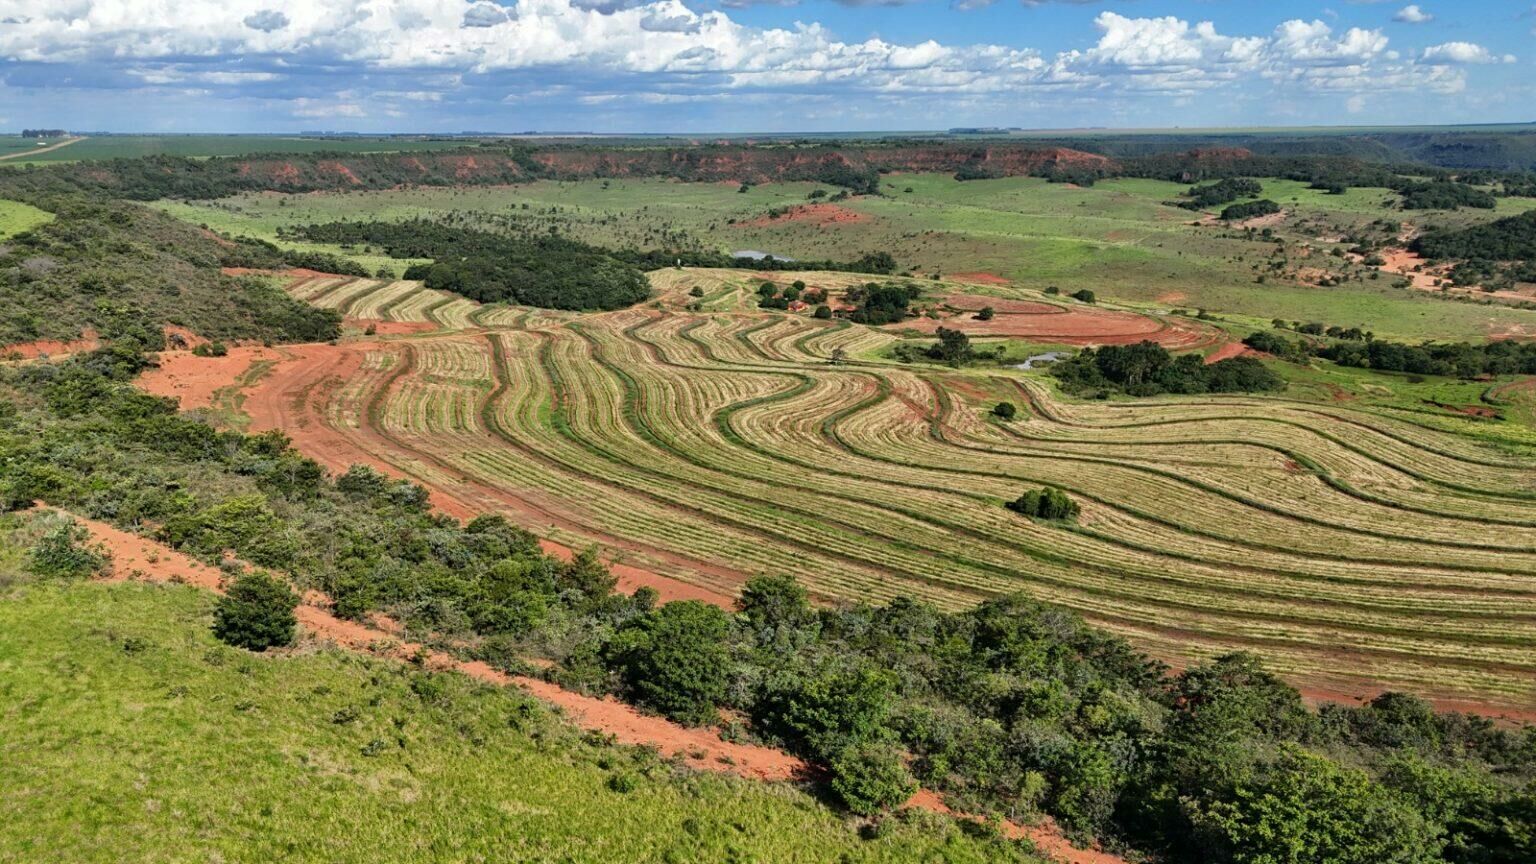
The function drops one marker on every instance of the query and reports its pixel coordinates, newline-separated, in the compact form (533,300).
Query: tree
(985,314)
(953,347)
(1047,502)
(776,610)
(1004,411)
(256,613)
(1085,296)
(696,291)
(823,311)
(675,659)
(61,553)
(870,778)
(1306,808)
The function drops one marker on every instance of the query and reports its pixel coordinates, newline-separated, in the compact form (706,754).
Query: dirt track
(51,147)
(135,557)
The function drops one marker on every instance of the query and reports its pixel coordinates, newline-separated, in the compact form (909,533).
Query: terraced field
(1356,547)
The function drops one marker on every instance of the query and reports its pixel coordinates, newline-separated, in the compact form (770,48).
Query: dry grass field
(1356,546)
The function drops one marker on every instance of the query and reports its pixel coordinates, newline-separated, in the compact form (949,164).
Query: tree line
(1148,369)
(526,269)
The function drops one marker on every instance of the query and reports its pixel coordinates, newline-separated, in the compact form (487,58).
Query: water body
(756,255)
(1037,360)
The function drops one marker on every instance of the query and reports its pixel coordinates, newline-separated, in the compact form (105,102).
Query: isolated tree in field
(1004,411)
(985,314)
(675,659)
(696,291)
(256,613)
(1085,296)
(1047,502)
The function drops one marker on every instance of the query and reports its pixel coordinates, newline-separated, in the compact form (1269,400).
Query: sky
(744,66)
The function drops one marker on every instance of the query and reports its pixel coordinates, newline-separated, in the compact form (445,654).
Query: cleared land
(1118,238)
(1356,544)
(16,217)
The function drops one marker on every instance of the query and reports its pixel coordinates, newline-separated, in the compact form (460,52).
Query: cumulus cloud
(1412,14)
(486,15)
(668,49)
(266,20)
(1458,52)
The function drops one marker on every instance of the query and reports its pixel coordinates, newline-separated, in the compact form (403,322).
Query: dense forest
(1011,707)
(1147,369)
(1220,192)
(531,270)
(127,271)
(1512,238)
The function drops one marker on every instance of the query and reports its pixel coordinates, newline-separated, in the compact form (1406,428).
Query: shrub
(1005,411)
(1085,296)
(61,553)
(675,659)
(823,311)
(256,613)
(1046,502)
(870,778)
(985,314)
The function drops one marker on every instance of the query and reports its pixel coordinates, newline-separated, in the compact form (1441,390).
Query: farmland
(1117,238)
(1355,535)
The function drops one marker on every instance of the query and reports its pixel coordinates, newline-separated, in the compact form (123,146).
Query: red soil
(1085,325)
(1046,836)
(814,214)
(701,748)
(980,277)
(135,557)
(196,380)
(1228,351)
(88,341)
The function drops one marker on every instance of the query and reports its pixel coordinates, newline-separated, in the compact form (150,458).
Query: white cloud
(1458,52)
(666,48)
(1412,14)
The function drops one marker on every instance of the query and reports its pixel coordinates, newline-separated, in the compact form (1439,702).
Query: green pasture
(1117,238)
(16,217)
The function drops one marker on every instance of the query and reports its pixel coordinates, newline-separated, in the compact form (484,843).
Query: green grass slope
(132,735)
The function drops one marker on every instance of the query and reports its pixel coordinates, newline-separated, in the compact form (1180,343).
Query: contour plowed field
(1357,549)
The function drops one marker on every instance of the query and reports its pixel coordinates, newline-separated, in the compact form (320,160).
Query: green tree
(256,613)
(1305,808)
(1047,502)
(870,778)
(1005,411)
(675,659)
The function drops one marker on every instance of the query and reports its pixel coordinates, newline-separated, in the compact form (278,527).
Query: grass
(1117,238)
(131,734)
(16,217)
(1354,517)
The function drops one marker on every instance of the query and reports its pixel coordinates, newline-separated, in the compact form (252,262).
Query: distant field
(1117,238)
(128,146)
(1350,531)
(16,217)
(132,735)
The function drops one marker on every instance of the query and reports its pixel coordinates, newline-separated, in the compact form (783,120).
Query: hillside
(121,270)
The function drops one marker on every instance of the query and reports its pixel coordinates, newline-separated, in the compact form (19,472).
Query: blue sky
(699,66)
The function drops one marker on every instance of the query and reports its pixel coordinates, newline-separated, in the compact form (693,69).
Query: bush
(61,553)
(675,660)
(256,613)
(986,313)
(1005,411)
(1085,296)
(870,778)
(1046,502)
(823,311)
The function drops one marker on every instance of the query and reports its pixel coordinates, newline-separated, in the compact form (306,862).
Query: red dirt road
(136,557)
